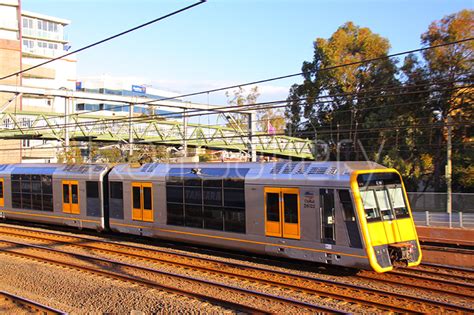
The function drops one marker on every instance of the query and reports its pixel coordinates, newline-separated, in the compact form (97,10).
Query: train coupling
(401,252)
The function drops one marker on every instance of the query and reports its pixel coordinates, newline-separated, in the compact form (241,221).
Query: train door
(282,212)
(71,196)
(142,202)
(2,200)
(327,215)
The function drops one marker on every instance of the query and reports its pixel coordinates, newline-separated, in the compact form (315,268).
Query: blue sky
(225,42)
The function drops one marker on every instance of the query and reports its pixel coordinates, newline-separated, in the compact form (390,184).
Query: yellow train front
(385,219)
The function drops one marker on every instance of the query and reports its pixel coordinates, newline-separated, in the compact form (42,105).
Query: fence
(429,209)
(438,219)
(436,202)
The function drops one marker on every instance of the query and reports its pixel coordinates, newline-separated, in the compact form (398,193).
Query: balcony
(53,36)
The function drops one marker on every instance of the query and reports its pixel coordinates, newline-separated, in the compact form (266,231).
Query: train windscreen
(382,196)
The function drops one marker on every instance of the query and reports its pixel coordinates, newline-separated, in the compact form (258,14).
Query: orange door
(66,197)
(137,213)
(71,196)
(74,189)
(2,200)
(147,202)
(291,212)
(282,212)
(272,212)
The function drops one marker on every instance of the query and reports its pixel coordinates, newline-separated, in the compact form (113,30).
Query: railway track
(285,283)
(139,275)
(10,303)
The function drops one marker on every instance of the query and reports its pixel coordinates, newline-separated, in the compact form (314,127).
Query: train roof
(298,173)
(80,171)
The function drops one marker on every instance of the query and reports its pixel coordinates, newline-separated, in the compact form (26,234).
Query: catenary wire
(106,39)
(296,74)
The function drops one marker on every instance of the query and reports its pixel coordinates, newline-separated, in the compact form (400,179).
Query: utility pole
(130,131)
(185,134)
(66,126)
(449,204)
(252,128)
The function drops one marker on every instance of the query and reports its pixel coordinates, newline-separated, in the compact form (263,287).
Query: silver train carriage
(353,214)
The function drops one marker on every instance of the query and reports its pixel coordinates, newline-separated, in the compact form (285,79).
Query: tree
(265,117)
(333,98)
(238,99)
(452,65)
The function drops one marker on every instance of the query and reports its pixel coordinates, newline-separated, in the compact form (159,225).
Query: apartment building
(28,39)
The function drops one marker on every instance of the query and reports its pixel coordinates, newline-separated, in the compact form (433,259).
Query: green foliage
(394,115)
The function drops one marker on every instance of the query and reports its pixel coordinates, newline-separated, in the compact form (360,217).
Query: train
(351,214)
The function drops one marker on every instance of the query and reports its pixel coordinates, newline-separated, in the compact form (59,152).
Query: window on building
(211,199)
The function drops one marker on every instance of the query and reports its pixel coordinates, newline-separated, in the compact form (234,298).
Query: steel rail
(240,266)
(32,305)
(149,283)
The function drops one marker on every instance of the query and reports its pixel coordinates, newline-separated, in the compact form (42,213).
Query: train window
(212,183)
(25,186)
(212,196)
(28,191)
(398,202)
(213,218)
(93,206)
(136,198)
(370,205)
(147,198)
(328,215)
(234,198)
(347,207)
(74,194)
(175,214)
(16,200)
(234,220)
(1,193)
(193,195)
(174,194)
(92,189)
(193,216)
(16,185)
(36,201)
(116,200)
(273,207)
(192,182)
(384,204)
(290,204)
(66,193)
(46,184)
(116,190)
(47,202)
(36,187)
(26,201)
(350,219)
(201,199)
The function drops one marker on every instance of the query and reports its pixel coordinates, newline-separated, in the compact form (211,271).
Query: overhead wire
(150,102)
(249,107)
(105,40)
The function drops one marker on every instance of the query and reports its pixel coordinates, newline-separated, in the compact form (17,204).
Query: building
(28,39)
(122,86)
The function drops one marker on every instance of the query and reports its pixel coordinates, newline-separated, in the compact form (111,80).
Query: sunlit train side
(352,214)
(59,194)
(318,212)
